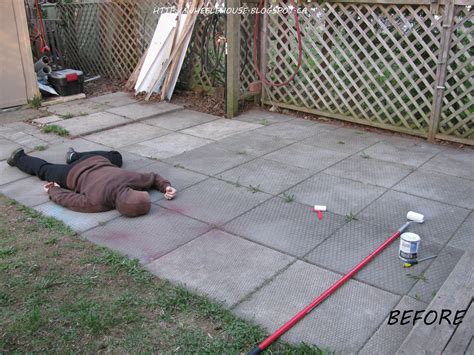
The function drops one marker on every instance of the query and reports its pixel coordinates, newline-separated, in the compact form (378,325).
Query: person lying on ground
(96,182)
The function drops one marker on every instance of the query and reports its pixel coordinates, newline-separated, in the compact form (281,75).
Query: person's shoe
(70,155)
(15,154)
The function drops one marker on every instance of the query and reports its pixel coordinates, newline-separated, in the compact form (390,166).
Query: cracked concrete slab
(439,187)
(464,237)
(91,123)
(289,227)
(127,135)
(10,174)
(209,201)
(115,99)
(147,237)
(144,110)
(182,119)
(7,147)
(77,108)
(342,196)
(266,175)
(27,191)
(455,162)
(253,143)
(167,146)
(210,159)
(219,129)
(343,323)
(343,140)
(219,265)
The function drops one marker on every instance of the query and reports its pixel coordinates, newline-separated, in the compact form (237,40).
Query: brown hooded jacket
(97,186)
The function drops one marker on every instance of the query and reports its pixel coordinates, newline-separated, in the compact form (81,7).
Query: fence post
(263,37)
(445,45)
(233,58)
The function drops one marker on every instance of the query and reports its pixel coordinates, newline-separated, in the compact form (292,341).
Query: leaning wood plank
(178,26)
(188,28)
(134,76)
(455,294)
(463,336)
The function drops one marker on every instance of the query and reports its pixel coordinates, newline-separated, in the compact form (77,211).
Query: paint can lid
(410,237)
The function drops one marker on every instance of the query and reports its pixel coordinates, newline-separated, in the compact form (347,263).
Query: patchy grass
(36,101)
(254,189)
(52,128)
(62,294)
(40,148)
(264,122)
(288,197)
(350,217)
(364,155)
(66,116)
(417,277)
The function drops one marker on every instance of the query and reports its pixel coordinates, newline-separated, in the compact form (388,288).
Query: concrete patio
(242,230)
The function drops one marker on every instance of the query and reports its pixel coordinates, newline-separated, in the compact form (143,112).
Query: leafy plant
(350,217)
(66,115)
(35,102)
(60,131)
(288,197)
(254,189)
(40,148)
(364,155)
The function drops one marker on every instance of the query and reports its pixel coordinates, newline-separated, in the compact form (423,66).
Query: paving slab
(94,122)
(290,130)
(127,135)
(179,120)
(214,201)
(436,274)
(263,117)
(46,120)
(342,323)
(253,143)
(307,156)
(352,243)
(220,265)
(57,153)
(210,159)
(115,99)
(77,107)
(78,221)
(404,151)
(26,140)
(289,227)
(9,174)
(464,237)
(147,237)
(141,111)
(7,147)
(455,162)
(219,129)
(27,191)
(441,220)
(370,171)
(134,161)
(179,178)
(267,175)
(167,146)
(342,196)
(388,338)
(439,187)
(343,140)
(10,129)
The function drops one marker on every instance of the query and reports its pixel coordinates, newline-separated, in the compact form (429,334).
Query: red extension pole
(272,338)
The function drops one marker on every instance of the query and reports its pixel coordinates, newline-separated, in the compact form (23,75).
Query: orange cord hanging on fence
(43,46)
(255,38)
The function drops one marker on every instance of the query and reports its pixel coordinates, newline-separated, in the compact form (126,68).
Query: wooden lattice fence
(377,64)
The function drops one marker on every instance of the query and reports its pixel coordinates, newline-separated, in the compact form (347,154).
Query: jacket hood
(132,203)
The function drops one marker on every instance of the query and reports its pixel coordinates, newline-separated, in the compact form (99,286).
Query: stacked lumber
(159,67)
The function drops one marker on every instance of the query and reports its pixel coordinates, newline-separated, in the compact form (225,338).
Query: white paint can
(409,244)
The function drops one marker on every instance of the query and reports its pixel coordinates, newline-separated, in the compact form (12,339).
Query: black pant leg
(114,156)
(44,170)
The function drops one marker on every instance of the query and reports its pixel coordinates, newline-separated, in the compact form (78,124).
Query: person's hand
(49,185)
(170,193)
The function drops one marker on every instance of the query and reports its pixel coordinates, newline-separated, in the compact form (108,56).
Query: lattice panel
(247,69)
(374,64)
(457,115)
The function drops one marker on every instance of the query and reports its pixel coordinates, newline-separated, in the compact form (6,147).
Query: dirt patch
(103,86)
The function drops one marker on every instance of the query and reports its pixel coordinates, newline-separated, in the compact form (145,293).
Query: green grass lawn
(59,293)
